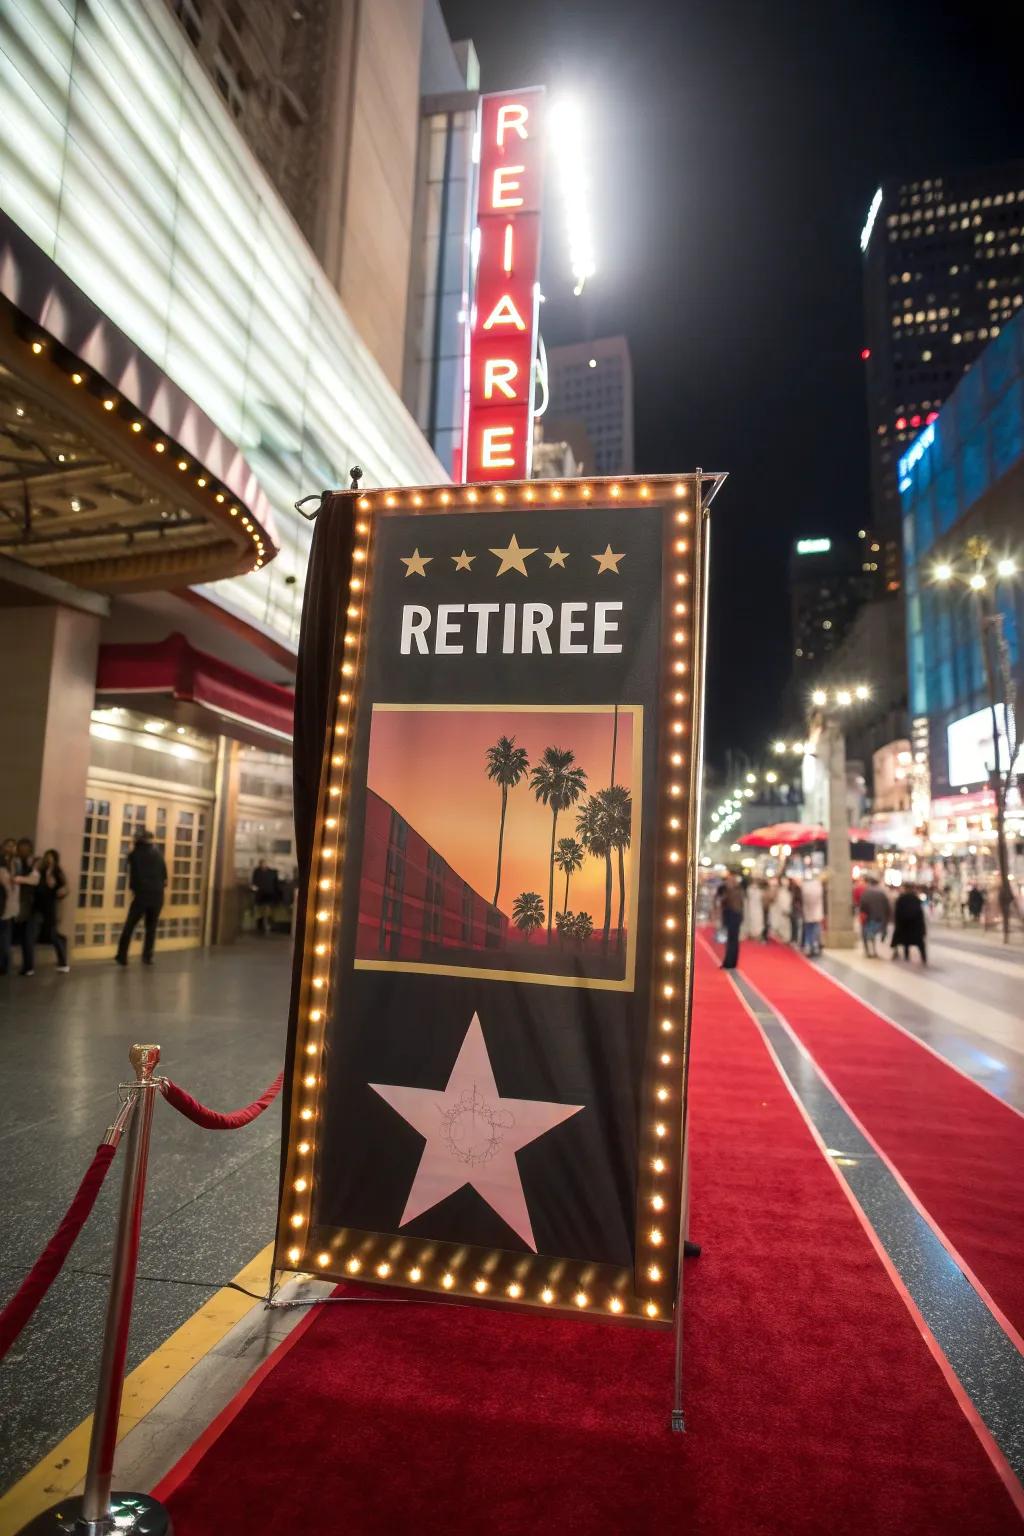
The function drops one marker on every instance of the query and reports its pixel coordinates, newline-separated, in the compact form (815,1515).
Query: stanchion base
(690,1250)
(677,1423)
(131,1514)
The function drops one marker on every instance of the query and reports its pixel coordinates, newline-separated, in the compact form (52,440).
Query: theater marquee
(491,1013)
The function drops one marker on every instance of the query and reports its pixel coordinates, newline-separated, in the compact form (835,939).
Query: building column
(839,933)
(223,917)
(48,696)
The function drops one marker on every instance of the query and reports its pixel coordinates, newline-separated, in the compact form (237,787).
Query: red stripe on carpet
(812,1402)
(959,1149)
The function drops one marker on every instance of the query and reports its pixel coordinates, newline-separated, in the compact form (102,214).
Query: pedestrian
(975,903)
(49,894)
(814,913)
(266,889)
(147,879)
(10,896)
(796,912)
(875,912)
(908,927)
(754,911)
(26,878)
(768,895)
(782,911)
(732,921)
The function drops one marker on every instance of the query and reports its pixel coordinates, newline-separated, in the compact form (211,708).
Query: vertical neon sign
(503,332)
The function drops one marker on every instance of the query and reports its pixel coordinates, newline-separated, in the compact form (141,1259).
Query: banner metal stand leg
(677,1421)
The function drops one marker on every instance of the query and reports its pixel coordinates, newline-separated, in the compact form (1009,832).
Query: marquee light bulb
(294,1255)
(311,1049)
(977,581)
(658,1165)
(323,1259)
(415,1274)
(300,1185)
(651,1309)
(587,493)
(447,1280)
(480,1285)
(615,1304)
(364,502)
(656,1237)
(353,1266)
(547,1295)
(581,1298)
(445,498)
(384,1269)
(305,1114)
(303,1147)
(658,1202)
(654,1273)
(514,1290)
(660,1130)
(296,1220)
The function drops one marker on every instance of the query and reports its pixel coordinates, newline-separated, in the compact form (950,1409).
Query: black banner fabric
(487,1059)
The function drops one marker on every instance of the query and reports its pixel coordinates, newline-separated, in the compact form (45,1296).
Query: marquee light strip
(458,1270)
(44,349)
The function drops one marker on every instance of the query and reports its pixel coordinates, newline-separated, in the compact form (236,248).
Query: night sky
(736,149)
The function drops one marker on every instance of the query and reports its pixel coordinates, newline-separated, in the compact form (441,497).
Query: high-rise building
(592,382)
(943,273)
(827,585)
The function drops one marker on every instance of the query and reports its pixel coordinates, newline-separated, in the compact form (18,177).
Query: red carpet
(813,1404)
(959,1149)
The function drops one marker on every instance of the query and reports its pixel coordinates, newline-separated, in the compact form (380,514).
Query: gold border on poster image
(541,978)
(568,1281)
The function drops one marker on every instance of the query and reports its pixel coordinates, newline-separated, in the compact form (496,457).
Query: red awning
(236,703)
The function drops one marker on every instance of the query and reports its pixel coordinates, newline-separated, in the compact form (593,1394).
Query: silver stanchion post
(97,1512)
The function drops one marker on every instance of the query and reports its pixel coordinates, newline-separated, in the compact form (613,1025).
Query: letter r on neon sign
(499,373)
(512,115)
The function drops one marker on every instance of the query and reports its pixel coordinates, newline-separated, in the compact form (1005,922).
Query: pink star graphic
(472,1136)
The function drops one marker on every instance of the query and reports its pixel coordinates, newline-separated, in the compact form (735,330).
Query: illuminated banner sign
(488,1039)
(503,332)
(813,546)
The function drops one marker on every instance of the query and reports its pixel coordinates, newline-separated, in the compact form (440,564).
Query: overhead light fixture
(568,137)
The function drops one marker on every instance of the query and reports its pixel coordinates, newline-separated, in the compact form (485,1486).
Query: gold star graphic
(556,556)
(463,561)
(607,561)
(513,558)
(415,564)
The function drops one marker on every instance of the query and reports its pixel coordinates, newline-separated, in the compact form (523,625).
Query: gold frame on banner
(649,1291)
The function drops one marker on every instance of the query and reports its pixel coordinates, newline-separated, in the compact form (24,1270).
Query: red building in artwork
(411,902)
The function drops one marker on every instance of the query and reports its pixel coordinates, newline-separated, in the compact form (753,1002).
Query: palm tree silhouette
(528,911)
(618,804)
(557,784)
(506,765)
(593,827)
(569,858)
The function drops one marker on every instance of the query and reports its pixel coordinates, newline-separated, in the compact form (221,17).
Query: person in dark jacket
(875,912)
(908,925)
(147,878)
(49,895)
(975,903)
(266,888)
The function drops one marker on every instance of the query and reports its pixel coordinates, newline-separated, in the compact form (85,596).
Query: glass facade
(952,483)
(122,163)
(440,291)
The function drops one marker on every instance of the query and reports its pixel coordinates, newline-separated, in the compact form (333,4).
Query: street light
(779,747)
(984,574)
(826,715)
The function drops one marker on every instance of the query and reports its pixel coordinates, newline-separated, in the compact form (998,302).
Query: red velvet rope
(212,1119)
(50,1262)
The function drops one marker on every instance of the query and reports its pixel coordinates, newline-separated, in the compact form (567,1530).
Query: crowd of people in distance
(789,910)
(32,891)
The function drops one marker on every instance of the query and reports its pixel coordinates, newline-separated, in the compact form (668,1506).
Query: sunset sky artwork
(430,764)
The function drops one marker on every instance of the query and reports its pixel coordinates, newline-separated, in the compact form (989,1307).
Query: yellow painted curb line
(64,1467)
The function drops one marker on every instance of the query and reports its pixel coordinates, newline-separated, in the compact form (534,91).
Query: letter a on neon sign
(505,313)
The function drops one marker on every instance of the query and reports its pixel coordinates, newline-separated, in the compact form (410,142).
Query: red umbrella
(795,833)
